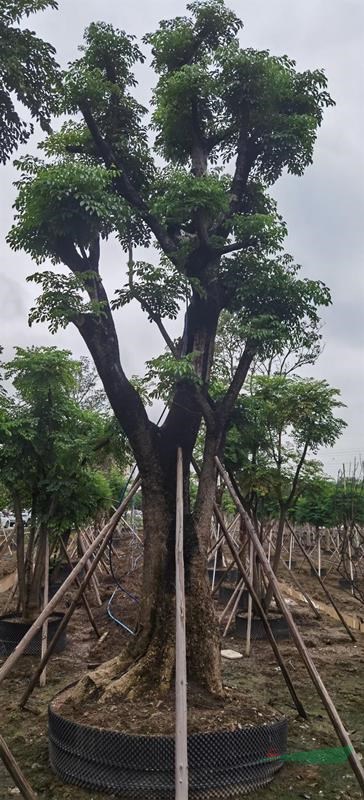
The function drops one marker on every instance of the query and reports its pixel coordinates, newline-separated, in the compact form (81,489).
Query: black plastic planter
(225,594)
(224,764)
(345,583)
(231,577)
(314,570)
(278,625)
(12,632)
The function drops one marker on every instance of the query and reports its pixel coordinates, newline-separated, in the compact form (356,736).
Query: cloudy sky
(324,209)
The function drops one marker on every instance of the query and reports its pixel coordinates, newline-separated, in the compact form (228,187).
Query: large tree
(227,122)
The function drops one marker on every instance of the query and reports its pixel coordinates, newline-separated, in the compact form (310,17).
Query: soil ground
(314,767)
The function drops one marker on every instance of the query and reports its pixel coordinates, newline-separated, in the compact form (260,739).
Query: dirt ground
(314,767)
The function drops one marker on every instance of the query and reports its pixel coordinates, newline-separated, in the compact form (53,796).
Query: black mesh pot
(345,583)
(323,571)
(12,632)
(225,593)
(278,625)
(225,764)
(231,577)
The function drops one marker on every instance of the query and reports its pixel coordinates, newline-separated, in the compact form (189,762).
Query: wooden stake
(326,590)
(301,647)
(351,566)
(43,676)
(67,616)
(15,771)
(83,596)
(303,592)
(181,763)
(231,600)
(250,602)
(94,582)
(318,553)
(264,618)
(103,538)
(240,586)
(290,553)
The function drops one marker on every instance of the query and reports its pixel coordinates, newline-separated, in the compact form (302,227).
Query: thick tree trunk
(150,660)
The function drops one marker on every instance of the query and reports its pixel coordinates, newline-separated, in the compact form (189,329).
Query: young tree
(227,122)
(279,426)
(47,459)
(28,75)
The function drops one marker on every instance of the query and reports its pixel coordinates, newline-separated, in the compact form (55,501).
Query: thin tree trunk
(20,553)
(277,556)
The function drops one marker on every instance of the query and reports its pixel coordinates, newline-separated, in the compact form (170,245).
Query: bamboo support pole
(235,606)
(326,590)
(264,618)
(43,675)
(102,537)
(303,591)
(327,702)
(14,770)
(69,613)
(83,596)
(351,566)
(222,537)
(250,601)
(87,539)
(290,552)
(94,581)
(181,758)
(319,554)
(231,599)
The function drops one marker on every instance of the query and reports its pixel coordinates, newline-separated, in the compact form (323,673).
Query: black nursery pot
(221,764)
(345,583)
(12,631)
(323,571)
(231,577)
(225,593)
(278,624)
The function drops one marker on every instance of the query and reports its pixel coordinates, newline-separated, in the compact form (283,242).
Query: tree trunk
(20,553)
(150,661)
(277,555)
(34,593)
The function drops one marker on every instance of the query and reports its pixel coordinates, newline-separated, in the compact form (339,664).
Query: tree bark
(150,661)
(277,555)
(20,553)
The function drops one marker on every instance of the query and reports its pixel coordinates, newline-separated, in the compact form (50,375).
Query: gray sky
(324,209)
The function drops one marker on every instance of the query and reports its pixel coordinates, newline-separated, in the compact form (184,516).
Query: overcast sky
(324,209)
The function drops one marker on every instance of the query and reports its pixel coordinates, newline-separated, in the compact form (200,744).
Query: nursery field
(314,768)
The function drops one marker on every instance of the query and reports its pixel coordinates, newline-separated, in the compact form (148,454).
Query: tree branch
(297,474)
(244,162)
(231,396)
(124,185)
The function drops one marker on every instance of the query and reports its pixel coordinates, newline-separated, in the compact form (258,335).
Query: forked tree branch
(124,185)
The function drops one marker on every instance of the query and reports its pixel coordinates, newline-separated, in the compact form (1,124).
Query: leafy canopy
(48,442)
(277,428)
(227,121)
(28,75)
